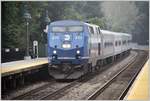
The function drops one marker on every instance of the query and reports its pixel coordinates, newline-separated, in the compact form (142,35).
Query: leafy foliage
(130,17)
(12,28)
(99,21)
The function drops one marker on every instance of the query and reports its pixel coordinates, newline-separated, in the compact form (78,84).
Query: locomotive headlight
(54,52)
(66,45)
(78,52)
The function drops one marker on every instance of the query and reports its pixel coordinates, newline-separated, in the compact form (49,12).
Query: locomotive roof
(65,23)
(76,22)
(71,22)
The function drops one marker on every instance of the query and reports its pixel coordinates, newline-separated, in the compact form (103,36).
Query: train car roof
(65,23)
(126,34)
(93,25)
(110,32)
(114,33)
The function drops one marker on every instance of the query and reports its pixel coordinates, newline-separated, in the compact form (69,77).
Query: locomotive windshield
(57,29)
(75,29)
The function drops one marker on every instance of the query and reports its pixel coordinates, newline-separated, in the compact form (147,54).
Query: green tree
(12,28)
(70,13)
(98,21)
(141,31)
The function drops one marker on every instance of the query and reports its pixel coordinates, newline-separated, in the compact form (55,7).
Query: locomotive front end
(65,48)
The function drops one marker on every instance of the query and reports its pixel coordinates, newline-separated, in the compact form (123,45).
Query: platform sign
(7,50)
(16,49)
(35,48)
(35,43)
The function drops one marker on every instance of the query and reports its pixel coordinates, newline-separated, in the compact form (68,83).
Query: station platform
(140,88)
(10,68)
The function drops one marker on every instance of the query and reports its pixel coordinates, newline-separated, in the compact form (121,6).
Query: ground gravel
(83,91)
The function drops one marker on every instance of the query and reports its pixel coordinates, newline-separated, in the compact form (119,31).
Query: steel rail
(105,85)
(123,94)
(33,91)
(54,94)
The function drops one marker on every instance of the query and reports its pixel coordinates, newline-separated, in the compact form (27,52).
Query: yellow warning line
(18,66)
(140,87)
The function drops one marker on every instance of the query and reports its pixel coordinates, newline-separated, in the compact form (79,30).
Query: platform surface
(140,88)
(22,65)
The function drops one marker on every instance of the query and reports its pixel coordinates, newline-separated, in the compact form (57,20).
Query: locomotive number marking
(78,37)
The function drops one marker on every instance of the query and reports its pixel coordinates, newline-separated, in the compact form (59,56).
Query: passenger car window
(108,44)
(119,42)
(116,43)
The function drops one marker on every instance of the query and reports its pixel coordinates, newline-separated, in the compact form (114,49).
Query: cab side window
(91,30)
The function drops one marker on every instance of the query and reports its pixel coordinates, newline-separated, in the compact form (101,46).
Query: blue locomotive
(76,48)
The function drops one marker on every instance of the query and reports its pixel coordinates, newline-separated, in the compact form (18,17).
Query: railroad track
(62,92)
(38,93)
(58,93)
(48,92)
(53,94)
(123,94)
(108,86)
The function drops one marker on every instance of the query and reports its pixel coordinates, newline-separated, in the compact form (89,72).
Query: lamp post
(46,18)
(27,18)
(46,21)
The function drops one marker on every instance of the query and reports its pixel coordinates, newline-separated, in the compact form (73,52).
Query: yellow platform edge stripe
(140,88)
(23,64)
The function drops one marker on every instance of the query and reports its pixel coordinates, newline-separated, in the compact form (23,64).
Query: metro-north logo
(67,37)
